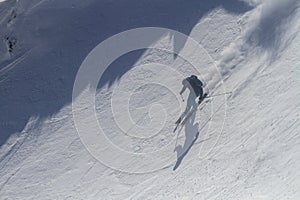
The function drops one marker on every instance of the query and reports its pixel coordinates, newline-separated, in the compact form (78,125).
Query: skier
(196,90)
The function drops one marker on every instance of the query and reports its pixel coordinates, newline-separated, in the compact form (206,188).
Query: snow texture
(242,145)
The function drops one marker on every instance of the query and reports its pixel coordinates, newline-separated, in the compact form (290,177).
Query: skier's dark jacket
(196,85)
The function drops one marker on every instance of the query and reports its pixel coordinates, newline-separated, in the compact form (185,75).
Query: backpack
(196,84)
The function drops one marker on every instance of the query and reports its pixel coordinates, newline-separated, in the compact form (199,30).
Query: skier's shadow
(191,135)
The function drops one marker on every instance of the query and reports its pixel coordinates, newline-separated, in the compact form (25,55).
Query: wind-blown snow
(244,145)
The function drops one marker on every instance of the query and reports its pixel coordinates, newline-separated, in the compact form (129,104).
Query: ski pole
(219,94)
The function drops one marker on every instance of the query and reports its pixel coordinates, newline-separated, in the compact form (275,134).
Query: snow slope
(244,145)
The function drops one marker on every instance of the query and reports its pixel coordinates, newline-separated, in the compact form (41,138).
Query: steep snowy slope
(67,132)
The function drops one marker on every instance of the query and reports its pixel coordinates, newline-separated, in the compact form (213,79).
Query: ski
(182,122)
(177,124)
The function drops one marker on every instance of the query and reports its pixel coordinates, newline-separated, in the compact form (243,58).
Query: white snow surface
(248,143)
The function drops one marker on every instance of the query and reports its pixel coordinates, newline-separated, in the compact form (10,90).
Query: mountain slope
(239,146)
